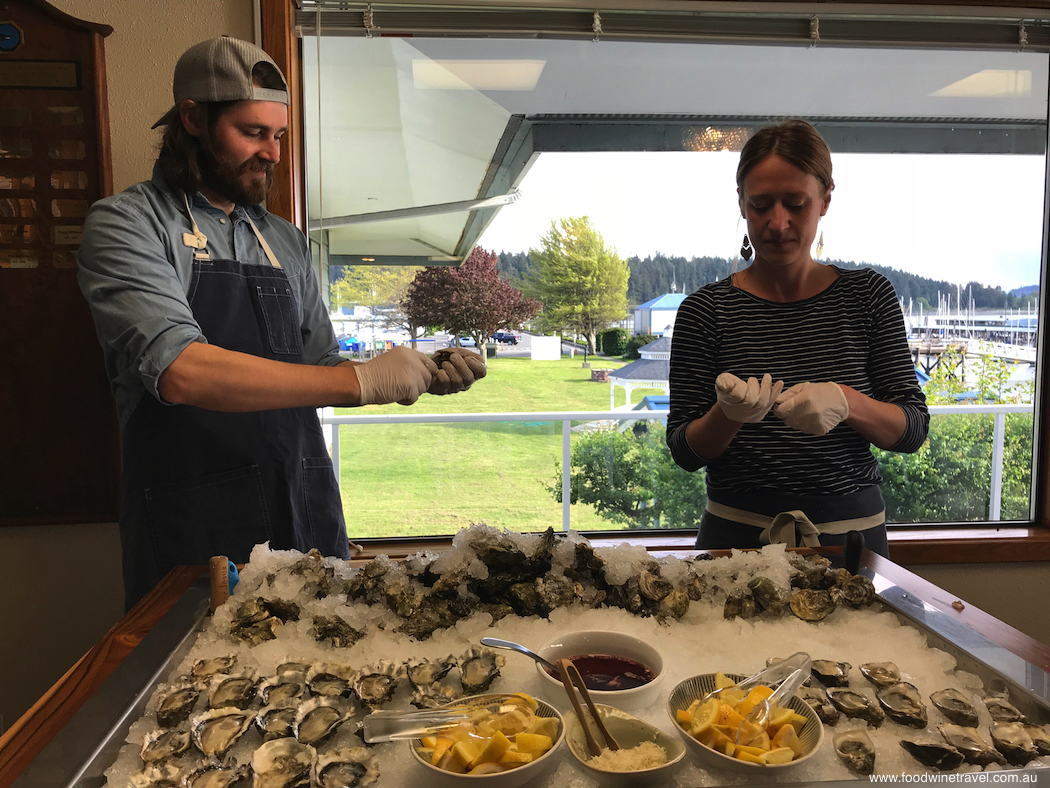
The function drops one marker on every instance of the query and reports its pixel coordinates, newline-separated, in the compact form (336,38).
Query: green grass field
(414,480)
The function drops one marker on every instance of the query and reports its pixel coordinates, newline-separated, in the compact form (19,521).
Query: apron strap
(786,527)
(266,247)
(197,240)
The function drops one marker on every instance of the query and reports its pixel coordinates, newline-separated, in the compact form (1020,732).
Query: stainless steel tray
(80,753)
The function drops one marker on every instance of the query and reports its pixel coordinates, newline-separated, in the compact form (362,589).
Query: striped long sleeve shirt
(851,333)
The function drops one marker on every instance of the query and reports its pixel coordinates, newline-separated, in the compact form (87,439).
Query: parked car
(505,338)
(467,342)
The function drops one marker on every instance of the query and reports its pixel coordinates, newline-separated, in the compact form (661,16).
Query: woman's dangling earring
(820,246)
(745,248)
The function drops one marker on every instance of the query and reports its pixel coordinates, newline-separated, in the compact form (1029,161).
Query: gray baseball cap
(220,69)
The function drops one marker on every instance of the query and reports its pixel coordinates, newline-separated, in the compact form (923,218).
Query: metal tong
(380,726)
(572,681)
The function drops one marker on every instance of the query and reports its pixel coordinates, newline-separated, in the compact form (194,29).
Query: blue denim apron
(199,483)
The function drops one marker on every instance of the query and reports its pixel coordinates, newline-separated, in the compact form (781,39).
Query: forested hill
(656,275)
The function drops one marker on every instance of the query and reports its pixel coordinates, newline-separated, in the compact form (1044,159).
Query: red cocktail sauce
(609,673)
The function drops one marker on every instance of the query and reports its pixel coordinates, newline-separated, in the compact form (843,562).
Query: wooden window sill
(908,546)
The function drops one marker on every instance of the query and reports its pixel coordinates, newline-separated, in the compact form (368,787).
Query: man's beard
(224,176)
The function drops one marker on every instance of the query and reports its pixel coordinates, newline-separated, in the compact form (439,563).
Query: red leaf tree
(471,299)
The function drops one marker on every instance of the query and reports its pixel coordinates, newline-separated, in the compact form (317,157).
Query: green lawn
(412,480)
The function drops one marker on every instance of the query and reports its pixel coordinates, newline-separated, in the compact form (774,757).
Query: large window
(420,148)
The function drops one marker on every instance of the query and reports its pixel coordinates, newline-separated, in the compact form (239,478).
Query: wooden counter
(38,726)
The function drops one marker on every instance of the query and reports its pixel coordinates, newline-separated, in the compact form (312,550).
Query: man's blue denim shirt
(136,274)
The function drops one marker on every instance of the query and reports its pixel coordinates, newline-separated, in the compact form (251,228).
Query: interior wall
(60,586)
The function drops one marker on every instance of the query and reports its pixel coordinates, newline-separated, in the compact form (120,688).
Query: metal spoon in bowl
(497,643)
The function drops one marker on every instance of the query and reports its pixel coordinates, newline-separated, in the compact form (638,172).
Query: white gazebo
(651,371)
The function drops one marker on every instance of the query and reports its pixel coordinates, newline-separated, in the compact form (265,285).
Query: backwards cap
(220,69)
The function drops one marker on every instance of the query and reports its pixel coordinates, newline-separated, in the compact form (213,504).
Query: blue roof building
(658,315)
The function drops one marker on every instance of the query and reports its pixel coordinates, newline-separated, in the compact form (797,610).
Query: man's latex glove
(813,408)
(400,375)
(746,402)
(458,368)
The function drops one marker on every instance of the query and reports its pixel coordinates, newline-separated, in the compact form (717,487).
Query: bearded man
(217,343)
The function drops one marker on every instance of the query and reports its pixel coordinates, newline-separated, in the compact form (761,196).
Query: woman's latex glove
(746,402)
(400,375)
(457,370)
(813,408)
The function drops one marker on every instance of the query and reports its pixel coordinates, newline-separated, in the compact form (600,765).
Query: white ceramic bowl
(629,732)
(811,736)
(542,766)
(602,641)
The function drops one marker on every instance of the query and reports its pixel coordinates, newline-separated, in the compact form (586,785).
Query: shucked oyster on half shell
(1013,741)
(275,721)
(934,753)
(176,704)
(433,696)
(881,674)
(318,717)
(215,775)
(478,668)
(974,748)
(331,678)
(158,775)
(237,691)
(903,703)
(160,745)
(289,685)
(375,684)
(216,730)
(856,750)
(818,699)
(204,669)
(830,673)
(424,672)
(856,704)
(283,763)
(955,706)
(350,767)
(1003,710)
(1040,735)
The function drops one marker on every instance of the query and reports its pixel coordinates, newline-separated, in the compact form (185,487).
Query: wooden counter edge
(31,732)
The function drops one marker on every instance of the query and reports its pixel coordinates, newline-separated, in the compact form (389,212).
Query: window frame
(958,23)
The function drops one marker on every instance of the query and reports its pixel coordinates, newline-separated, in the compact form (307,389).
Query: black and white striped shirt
(851,333)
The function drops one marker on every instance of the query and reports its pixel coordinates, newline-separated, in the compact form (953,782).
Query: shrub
(612,341)
(635,342)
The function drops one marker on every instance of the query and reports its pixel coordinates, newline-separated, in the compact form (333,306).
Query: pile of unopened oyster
(274,690)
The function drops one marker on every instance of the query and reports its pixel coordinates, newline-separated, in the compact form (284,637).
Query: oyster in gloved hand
(458,368)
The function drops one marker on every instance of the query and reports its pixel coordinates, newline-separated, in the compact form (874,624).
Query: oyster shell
(160,745)
(283,763)
(955,706)
(375,684)
(856,750)
(856,704)
(352,767)
(831,673)
(812,604)
(215,775)
(903,703)
(1013,741)
(258,619)
(424,672)
(818,699)
(857,591)
(317,574)
(933,753)
(275,722)
(739,603)
(216,730)
(335,632)
(974,748)
(478,668)
(881,674)
(331,678)
(204,669)
(158,775)
(674,605)
(1003,710)
(317,718)
(769,596)
(653,586)
(284,686)
(237,691)
(1040,735)
(292,667)
(435,695)
(176,704)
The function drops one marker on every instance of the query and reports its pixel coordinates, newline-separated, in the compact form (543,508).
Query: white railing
(566,418)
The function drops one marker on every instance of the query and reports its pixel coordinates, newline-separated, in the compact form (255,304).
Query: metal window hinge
(814,31)
(1022,36)
(596,26)
(368,20)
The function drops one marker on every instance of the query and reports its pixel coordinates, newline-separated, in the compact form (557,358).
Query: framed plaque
(59,454)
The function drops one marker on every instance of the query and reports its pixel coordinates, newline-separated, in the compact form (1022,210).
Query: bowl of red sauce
(619,669)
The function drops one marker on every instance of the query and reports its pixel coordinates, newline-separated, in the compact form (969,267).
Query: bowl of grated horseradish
(647,755)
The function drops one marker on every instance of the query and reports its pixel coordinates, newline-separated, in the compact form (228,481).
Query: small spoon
(496,643)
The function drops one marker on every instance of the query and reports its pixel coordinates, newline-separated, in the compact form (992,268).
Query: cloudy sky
(952,217)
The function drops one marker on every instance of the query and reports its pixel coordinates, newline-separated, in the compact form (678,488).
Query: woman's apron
(199,483)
